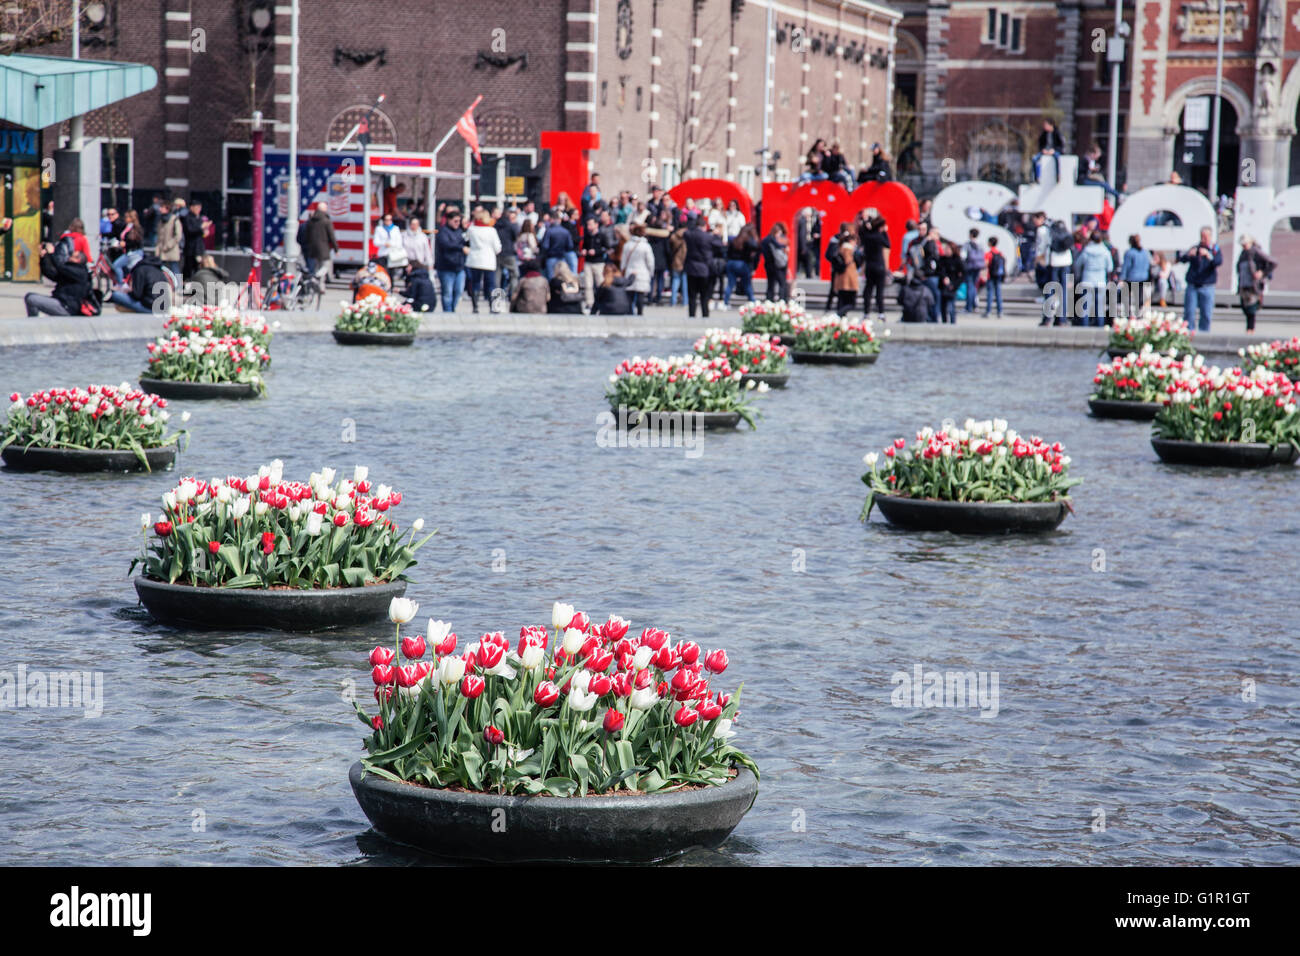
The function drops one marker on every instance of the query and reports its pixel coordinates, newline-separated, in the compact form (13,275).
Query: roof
(40,91)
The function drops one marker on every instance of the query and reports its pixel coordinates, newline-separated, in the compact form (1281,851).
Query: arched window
(383,134)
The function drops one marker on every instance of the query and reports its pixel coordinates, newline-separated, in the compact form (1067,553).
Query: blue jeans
(550,267)
(993,291)
(738,273)
(948,309)
(972,289)
(1199,297)
(453,287)
(481,281)
(121,298)
(1092,303)
(932,283)
(678,285)
(126,261)
(1060,275)
(571,260)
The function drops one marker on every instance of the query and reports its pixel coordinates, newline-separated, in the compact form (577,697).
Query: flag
(468,131)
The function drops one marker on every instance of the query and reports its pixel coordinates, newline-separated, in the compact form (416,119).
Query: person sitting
(1050,147)
(612,296)
(916,299)
(566,291)
(148,286)
(534,292)
(206,286)
(372,280)
(71,285)
(420,292)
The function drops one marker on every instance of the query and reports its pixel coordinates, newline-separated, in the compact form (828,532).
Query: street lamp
(1115,57)
(1218,107)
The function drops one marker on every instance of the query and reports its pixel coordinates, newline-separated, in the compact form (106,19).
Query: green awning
(40,91)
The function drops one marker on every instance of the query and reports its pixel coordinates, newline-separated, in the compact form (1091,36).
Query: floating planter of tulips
(1134,386)
(98,428)
(217,321)
(265,552)
(709,391)
(541,733)
(376,320)
(1277,356)
(982,478)
(1229,417)
(201,366)
(835,342)
(760,359)
(772,318)
(1163,331)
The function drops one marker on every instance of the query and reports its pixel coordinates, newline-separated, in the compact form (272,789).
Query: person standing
(677,265)
(974,255)
(481,260)
(387,240)
(995,266)
(776,263)
(638,264)
(657,235)
(1135,270)
(556,245)
(590,198)
(701,248)
(449,248)
(320,244)
(171,236)
(594,253)
(735,220)
(951,275)
(508,227)
(1095,264)
(1059,246)
(807,241)
(1203,261)
(875,267)
(848,256)
(192,230)
(1254,269)
(742,257)
(419,252)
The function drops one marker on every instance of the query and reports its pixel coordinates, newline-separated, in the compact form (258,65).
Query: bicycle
(102,277)
(283,290)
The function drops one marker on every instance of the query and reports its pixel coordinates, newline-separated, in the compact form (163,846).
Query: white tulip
(401,610)
(641,659)
(359,473)
(277,471)
(185,416)
(383,491)
(240,507)
(327,476)
(146,519)
(723,730)
(582,681)
(580,700)
(251,482)
(451,670)
(643,699)
(532,657)
(561,614)
(169,501)
(261,508)
(314,522)
(573,641)
(438,631)
(871,458)
(418,526)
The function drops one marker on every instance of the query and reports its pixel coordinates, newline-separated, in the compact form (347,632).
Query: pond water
(1127,646)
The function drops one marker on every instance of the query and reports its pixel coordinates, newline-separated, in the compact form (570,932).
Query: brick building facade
(653,77)
(982,76)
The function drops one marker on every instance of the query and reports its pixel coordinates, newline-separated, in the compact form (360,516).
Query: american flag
(330,177)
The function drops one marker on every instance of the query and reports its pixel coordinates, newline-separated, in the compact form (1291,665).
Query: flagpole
(443,142)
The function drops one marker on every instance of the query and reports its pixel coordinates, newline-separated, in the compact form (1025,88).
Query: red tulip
(546,694)
(377,722)
(413,647)
(613,721)
(709,710)
(446,645)
(214,547)
(340,519)
(492,735)
(600,685)
(489,655)
(408,676)
(653,638)
(622,683)
(599,661)
(162,528)
(382,674)
(381,655)
(643,679)
(580,622)
(472,686)
(682,680)
(690,652)
(716,661)
(268,542)
(615,628)
(685,716)
(665,658)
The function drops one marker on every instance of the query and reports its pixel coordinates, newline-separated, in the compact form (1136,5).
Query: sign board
(324,176)
(1196,113)
(515,186)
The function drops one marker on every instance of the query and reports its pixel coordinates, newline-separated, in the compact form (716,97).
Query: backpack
(997,266)
(63,249)
(974,255)
(1061,240)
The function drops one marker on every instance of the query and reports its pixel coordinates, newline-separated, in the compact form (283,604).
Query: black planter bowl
(1118,408)
(1227,454)
(86,459)
(786,338)
(198,390)
(596,829)
(834,358)
(772,379)
(373,338)
(1114,353)
(972,517)
(716,420)
(281,609)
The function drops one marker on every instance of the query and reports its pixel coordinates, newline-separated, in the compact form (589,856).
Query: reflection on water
(1120,690)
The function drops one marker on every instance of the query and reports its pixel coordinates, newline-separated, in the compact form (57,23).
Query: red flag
(468,131)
